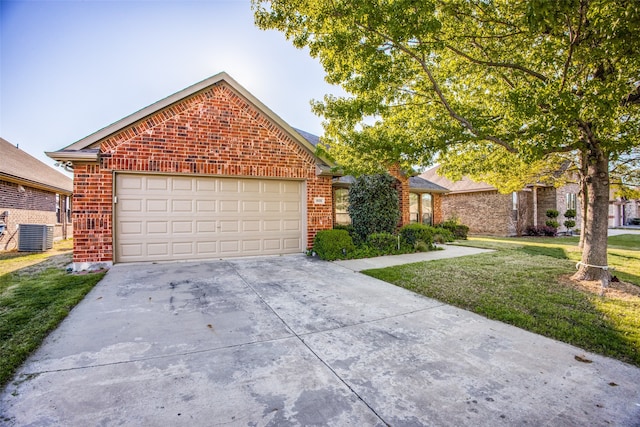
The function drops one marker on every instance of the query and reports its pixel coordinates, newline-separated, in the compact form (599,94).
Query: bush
(570,213)
(384,242)
(552,213)
(374,205)
(442,235)
(414,233)
(569,223)
(552,223)
(543,230)
(333,244)
(458,230)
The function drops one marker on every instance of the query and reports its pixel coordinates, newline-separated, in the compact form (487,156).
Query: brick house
(420,199)
(31,192)
(486,211)
(208,172)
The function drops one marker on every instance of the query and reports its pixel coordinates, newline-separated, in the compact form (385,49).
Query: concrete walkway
(294,341)
(448,251)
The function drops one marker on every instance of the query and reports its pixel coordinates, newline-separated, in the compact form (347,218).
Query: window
(341,197)
(58,216)
(68,208)
(427,209)
(421,208)
(572,201)
(514,199)
(414,207)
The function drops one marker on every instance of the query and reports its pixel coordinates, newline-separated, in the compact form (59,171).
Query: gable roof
(87,149)
(22,168)
(418,183)
(465,185)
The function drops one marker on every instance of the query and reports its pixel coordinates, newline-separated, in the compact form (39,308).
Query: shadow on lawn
(557,253)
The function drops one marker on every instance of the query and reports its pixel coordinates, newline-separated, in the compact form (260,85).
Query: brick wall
(556,198)
(402,185)
(17,196)
(438,217)
(487,212)
(214,132)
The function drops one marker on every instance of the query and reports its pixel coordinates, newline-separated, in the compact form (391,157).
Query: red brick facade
(213,132)
(402,185)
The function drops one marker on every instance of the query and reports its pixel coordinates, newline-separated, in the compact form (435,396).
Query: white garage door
(162,218)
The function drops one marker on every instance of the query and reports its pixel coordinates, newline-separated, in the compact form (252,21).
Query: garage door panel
(157,227)
(182,248)
(155,184)
(128,205)
(205,206)
(131,227)
(228,186)
(181,206)
(182,184)
(292,243)
(157,205)
(179,217)
(206,226)
(229,206)
(230,226)
(181,227)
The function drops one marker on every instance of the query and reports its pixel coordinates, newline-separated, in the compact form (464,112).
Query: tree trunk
(583,196)
(593,265)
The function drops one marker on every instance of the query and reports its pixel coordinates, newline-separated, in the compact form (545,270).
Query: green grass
(36,294)
(526,283)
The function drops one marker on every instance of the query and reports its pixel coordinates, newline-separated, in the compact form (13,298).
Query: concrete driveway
(295,341)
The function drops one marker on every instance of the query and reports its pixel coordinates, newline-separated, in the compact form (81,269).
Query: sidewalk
(448,251)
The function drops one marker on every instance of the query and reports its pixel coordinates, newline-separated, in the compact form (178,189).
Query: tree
(374,205)
(524,79)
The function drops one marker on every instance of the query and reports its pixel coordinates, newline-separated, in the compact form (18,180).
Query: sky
(71,67)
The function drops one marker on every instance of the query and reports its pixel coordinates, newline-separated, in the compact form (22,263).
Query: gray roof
(423,185)
(20,167)
(416,184)
(311,138)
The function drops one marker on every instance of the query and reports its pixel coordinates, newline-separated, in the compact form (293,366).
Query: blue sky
(69,68)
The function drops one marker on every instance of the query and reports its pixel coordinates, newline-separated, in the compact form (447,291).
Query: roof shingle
(17,165)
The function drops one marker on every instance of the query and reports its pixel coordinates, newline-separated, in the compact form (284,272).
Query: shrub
(352,232)
(384,242)
(552,223)
(373,205)
(459,231)
(442,235)
(570,213)
(543,230)
(333,244)
(413,233)
(552,213)
(569,223)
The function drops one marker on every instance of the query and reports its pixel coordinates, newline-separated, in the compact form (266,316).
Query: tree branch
(573,41)
(499,64)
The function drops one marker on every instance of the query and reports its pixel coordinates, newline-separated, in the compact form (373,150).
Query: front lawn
(526,283)
(36,294)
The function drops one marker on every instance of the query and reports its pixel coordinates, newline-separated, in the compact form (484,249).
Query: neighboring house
(208,172)
(486,211)
(623,211)
(31,192)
